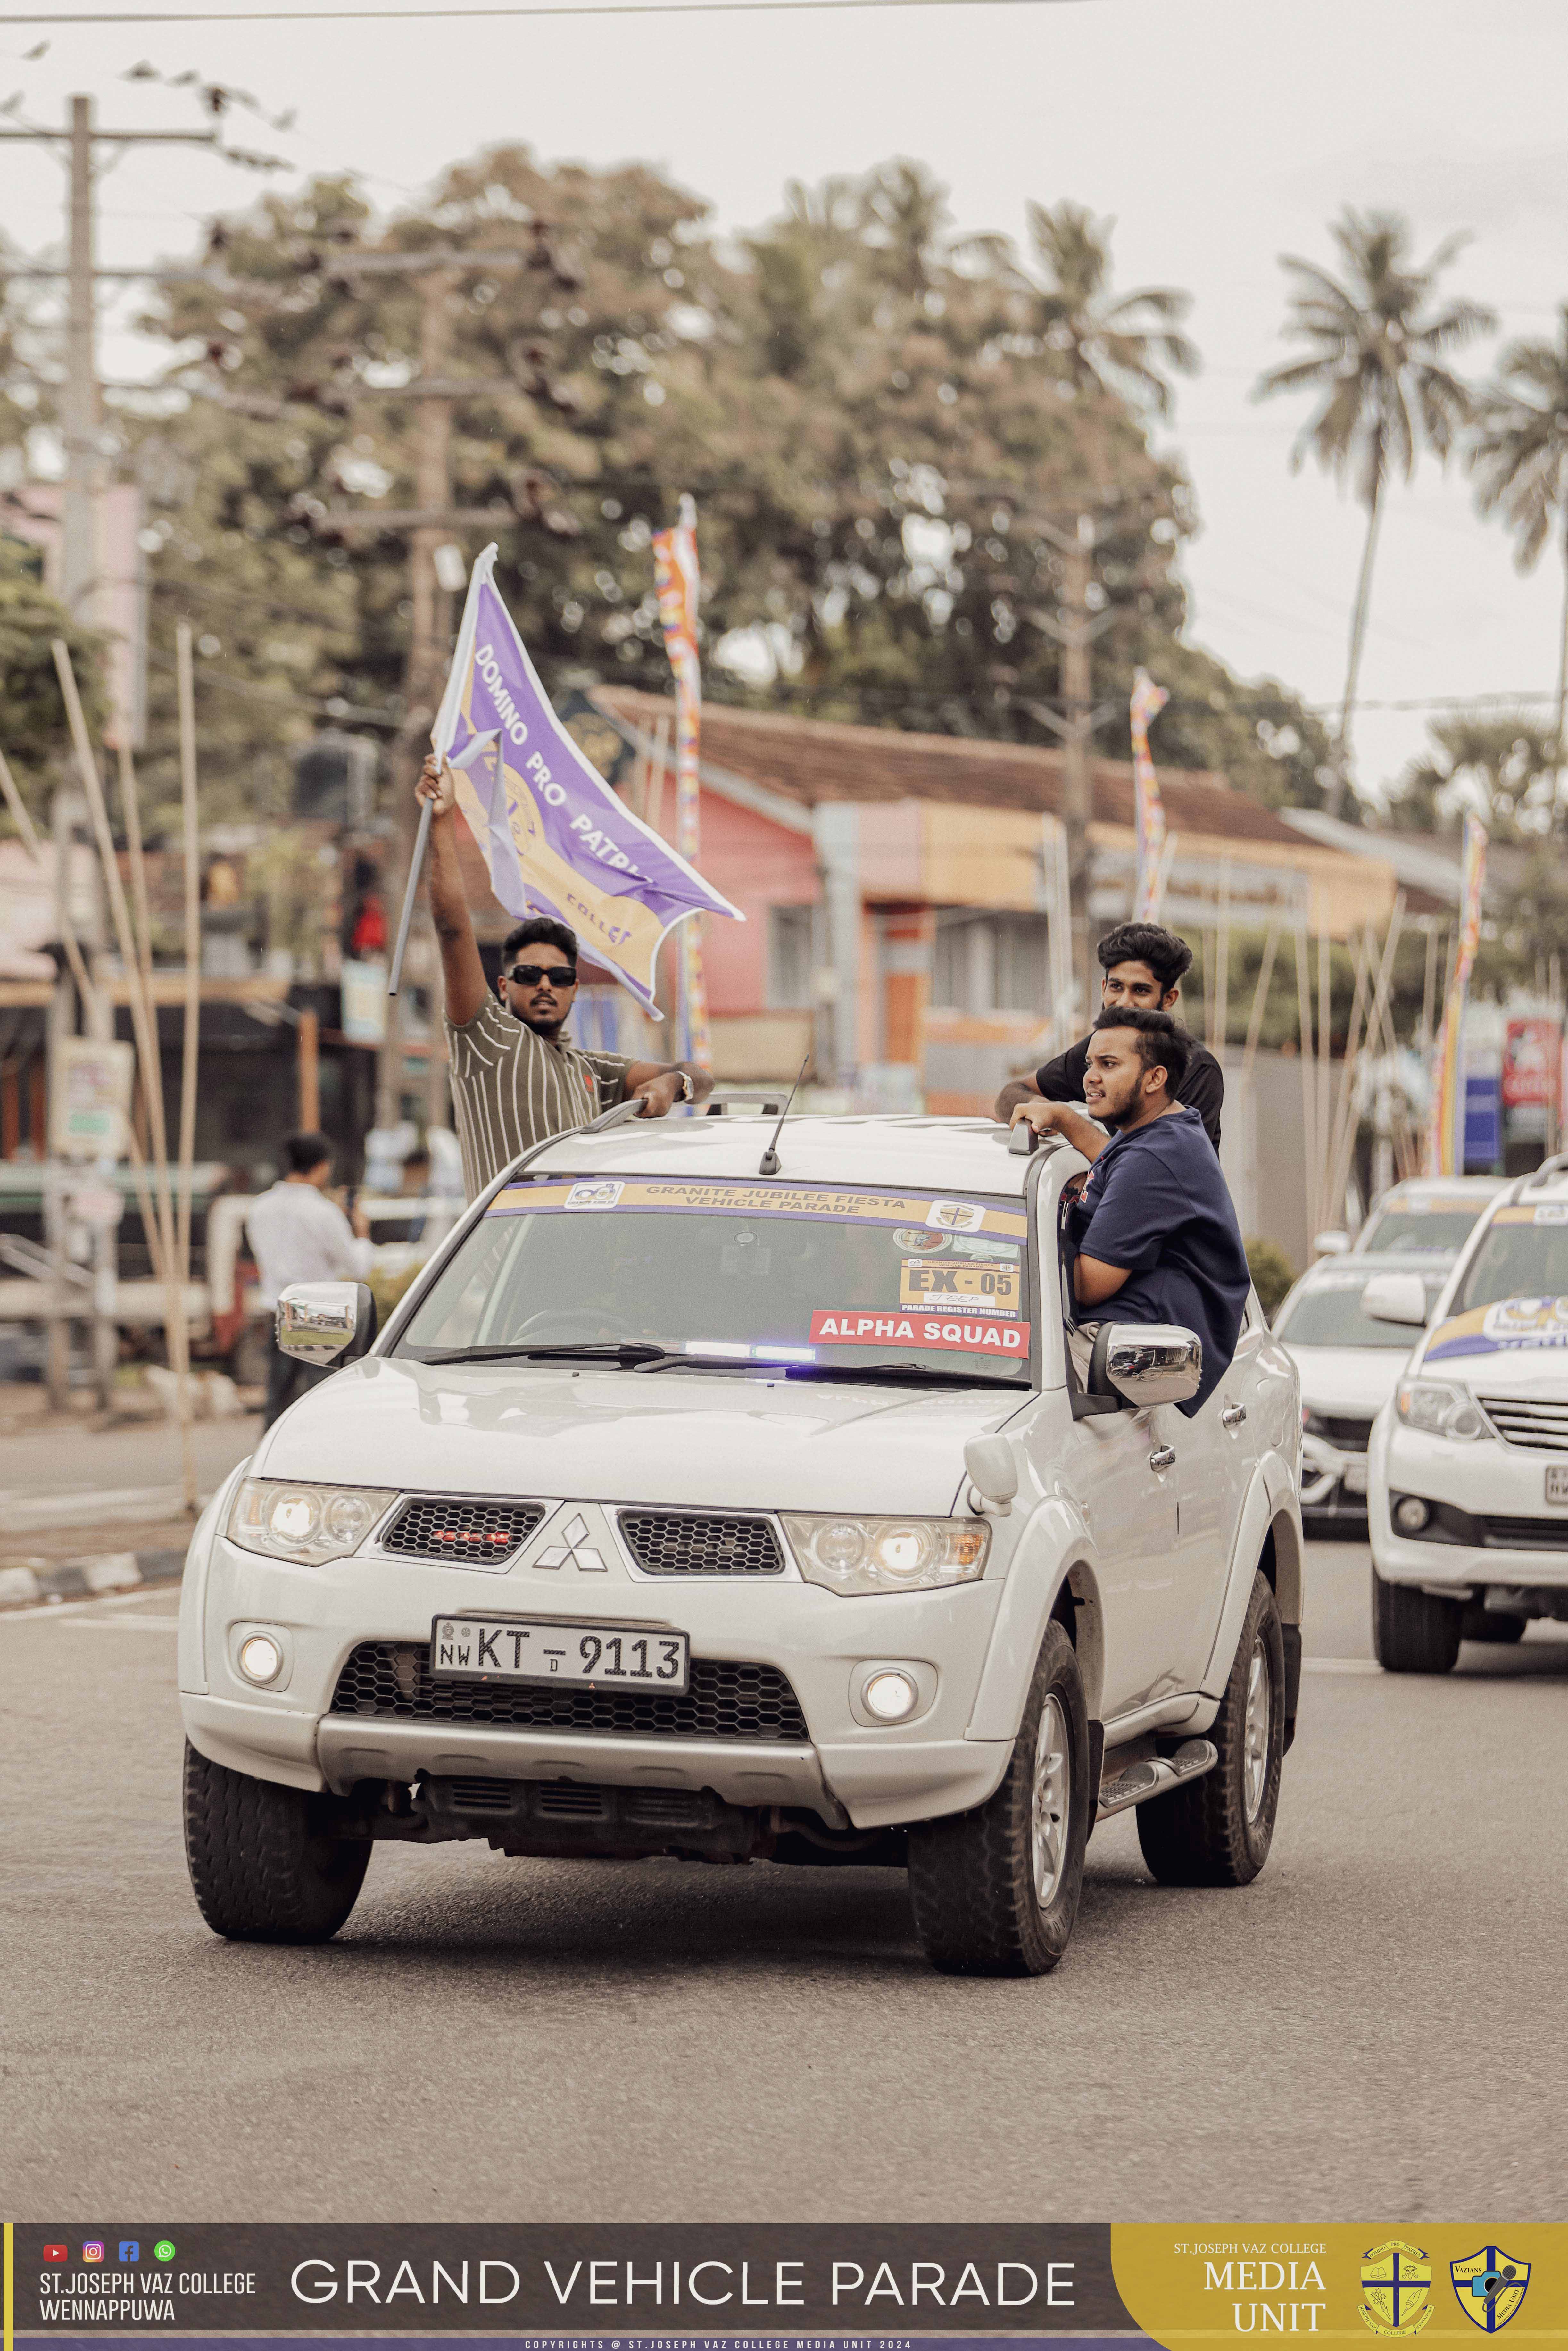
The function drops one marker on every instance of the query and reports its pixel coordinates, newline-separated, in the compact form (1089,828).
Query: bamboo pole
(1309,1073)
(1325,1057)
(1376,1017)
(656,818)
(1259,1002)
(143,1021)
(192,1026)
(87,989)
(1330,1206)
(1222,969)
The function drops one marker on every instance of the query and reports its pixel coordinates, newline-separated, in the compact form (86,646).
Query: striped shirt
(512,1087)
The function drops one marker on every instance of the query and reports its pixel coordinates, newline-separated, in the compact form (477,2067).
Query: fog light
(1411,1514)
(260,1658)
(890,1697)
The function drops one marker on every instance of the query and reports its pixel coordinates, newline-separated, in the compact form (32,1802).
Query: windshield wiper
(626,1351)
(896,1371)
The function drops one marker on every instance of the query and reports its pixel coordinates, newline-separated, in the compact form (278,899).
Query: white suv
(704,1500)
(1467,1468)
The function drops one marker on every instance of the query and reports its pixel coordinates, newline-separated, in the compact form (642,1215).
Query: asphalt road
(1373,2028)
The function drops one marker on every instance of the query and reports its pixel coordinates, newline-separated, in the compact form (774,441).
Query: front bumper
(871,1777)
(1491,1525)
(1333,1481)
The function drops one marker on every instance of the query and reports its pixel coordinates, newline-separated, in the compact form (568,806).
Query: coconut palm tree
(1377,353)
(1120,343)
(1518,455)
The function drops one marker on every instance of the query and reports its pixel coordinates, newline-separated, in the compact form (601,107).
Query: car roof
(1439,1187)
(937,1155)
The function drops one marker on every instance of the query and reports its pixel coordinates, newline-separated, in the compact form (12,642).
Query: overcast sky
(1218,133)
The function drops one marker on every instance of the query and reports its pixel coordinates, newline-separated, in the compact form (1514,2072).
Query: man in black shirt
(1143,967)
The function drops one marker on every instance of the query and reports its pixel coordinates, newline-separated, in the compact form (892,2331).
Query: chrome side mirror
(1148,1362)
(1396,1297)
(325,1322)
(993,1472)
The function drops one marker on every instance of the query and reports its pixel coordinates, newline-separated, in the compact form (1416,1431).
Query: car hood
(704,1439)
(1347,1379)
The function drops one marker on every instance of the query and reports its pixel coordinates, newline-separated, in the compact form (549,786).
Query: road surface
(1372,2028)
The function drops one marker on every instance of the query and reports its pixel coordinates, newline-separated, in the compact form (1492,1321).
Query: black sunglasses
(528,975)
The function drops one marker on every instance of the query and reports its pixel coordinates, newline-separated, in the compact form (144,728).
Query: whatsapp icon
(163,2250)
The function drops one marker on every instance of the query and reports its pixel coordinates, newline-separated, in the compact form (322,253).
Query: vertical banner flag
(556,839)
(1148,700)
(677,577)
(1445,1119)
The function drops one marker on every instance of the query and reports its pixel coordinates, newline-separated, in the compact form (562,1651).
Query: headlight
(861,1555)
(1439,1409)
(309,1524)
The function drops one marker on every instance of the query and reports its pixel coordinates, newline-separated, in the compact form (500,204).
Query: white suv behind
(705,1501)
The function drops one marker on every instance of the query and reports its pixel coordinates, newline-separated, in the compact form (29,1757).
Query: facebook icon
(130,2249)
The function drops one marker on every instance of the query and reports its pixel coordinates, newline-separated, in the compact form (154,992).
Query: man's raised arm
(462,972)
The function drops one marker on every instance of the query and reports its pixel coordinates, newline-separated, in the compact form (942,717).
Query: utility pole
(1075,633)
(79,551)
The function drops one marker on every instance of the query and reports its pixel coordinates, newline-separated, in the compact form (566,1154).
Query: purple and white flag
(556,839)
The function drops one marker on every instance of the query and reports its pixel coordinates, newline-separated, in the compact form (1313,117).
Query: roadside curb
(26,1582)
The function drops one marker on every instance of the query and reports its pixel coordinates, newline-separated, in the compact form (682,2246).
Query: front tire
(1412,1632)
(1218,1830)
(1478,1624)
(265,1865)
(994,1891)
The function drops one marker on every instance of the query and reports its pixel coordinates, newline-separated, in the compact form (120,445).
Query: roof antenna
(769,1162)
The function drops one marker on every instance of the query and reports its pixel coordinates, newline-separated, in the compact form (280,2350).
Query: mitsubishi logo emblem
(575,1552)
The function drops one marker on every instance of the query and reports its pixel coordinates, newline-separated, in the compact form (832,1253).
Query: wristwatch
(688,1091)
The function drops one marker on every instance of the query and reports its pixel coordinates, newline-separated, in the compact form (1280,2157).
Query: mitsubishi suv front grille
(700,1542)
(429,1526)
(390,1681)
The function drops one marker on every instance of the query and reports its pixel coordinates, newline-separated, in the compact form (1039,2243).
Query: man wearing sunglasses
(516,1078)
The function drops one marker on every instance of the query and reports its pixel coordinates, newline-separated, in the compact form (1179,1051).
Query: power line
(538,8)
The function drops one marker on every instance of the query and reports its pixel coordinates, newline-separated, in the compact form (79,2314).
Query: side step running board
(1139,1781)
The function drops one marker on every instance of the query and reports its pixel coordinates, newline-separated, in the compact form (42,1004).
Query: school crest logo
(1491,2285)
(1396,2288)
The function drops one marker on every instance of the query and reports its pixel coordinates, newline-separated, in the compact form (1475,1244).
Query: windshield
(808,1278)
(1523,1254)
(1405,1227)
(1327,1313)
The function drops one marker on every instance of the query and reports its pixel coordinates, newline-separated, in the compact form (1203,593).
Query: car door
(1111,1468)
(1215,1451)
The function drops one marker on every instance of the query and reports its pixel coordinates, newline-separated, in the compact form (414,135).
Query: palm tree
(1376,353)
(1519,452)
(1119,343)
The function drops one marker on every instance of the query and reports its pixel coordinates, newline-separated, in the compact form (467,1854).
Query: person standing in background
(297,1234)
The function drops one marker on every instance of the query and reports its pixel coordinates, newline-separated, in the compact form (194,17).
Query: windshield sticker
(668,1196)
(1449,1205)
(1510,1323)
(960,1289)
(1547,1212)
(846,1326)
(914,1237)
(594,1196)
(955,1216)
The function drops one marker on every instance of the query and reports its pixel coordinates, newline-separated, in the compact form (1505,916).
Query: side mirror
(1147,1362)
(993,1472)
(1332,1244)
(325,1322)
(1396,1297)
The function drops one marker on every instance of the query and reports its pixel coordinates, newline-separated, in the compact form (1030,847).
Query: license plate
(1557,1482)
(1353,1478)
(543,1649)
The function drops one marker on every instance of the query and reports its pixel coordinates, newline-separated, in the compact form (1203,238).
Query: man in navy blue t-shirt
(1154,1230)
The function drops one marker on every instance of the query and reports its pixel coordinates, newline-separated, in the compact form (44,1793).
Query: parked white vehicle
(1348,1364)
(1435,1213)
(1469,1462)
(687,1507)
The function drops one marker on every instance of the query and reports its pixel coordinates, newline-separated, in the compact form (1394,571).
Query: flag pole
(415,867)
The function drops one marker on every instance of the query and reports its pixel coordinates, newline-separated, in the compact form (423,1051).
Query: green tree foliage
(876,423)
(1518,455)
(1377,358)
(34,725)
(1501,767)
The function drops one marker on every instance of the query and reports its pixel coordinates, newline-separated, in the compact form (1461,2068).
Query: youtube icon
(57,2253)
